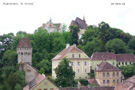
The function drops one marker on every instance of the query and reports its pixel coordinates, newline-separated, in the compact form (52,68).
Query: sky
(14,18)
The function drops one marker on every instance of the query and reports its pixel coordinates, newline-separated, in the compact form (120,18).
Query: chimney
(74,45)
(67,45)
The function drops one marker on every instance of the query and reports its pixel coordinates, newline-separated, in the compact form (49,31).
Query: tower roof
(24,43)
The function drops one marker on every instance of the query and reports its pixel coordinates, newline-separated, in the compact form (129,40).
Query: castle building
(52,27)
(81,24)
(24,51)
(80,62)
(107,75)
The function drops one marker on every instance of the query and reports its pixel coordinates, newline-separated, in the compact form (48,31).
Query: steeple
(83,18)
(50,21)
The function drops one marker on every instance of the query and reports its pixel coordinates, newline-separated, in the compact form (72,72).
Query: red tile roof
(70,49)
(103,56)
(24,43)
(88,88)
(125,57)
(128,84)
(105,66)
(34,82)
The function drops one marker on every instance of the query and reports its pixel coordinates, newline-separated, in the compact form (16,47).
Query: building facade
(80,62)
(107,75)
(99,57)
(24,51)
(52,27)
(125,59)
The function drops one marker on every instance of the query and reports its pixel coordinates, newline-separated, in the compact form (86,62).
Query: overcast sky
(14,18)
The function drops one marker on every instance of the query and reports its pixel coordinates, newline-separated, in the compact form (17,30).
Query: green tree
(42,71)
(65,74)
(64,27)
(117,46)
(74,32)
(131,44)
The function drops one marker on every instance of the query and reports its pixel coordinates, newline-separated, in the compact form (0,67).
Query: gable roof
(79,22)
(125,57)
(105,66)
(128,84)
(103,56)
(70,49)
(24,43)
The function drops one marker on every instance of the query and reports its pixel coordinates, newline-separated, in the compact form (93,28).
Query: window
(72,64)
(113,74)
(117,73)
(113,63)
(85,70)
(21,53)
(117,80)
(130,62)
(78,63)
(119,63)
(79,55)
(103,81)
(108,81)
(122,63)
(108,74)
(85,63)
(78,70)
(113,81)
(51,89)
(103,74)
(73,55)
(126,63)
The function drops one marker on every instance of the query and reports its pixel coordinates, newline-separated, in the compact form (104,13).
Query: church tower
(24,51)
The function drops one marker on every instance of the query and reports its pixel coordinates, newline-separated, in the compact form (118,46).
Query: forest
(46,45)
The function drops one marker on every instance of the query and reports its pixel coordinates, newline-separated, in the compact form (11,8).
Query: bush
(51,79)
(83,82)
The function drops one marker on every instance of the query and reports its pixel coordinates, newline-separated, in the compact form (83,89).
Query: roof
(88,88)
(92,81)
(125,57)
(34,82)
(24,43)
(128,84)
(79,22)
(103,56)
(105,66)
(70,49)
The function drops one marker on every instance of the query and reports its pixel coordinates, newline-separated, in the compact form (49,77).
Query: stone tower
(24,51)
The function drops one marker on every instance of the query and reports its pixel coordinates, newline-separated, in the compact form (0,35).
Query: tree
(64,27)
(131,44)
(65,74)
(117,46)
(74,32)
(42,71)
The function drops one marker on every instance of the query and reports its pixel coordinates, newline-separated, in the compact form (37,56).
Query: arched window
(103,74)
(108,81)
(79,55)
(85,63)
(72,55)
(108,74)
(113,81)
